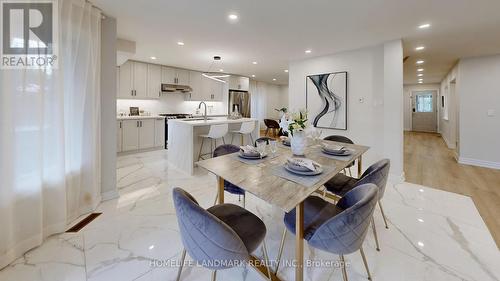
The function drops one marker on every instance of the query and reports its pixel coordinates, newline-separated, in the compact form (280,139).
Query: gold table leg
(299,242)
(220,189)
(360,166)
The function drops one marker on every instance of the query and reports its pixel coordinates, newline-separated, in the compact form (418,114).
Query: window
(424,103)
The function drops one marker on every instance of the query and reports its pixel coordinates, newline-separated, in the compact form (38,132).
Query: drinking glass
(261,147)
(273,145)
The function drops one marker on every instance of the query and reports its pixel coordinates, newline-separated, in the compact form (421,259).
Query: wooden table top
(259,180)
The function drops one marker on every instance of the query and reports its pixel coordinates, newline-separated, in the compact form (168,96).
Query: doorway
(424,112)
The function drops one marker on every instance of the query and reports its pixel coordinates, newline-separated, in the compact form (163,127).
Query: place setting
(255,155)
(301,170)
(337,152)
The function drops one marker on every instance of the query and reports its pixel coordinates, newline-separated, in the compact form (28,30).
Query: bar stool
(215,132)
(245,129)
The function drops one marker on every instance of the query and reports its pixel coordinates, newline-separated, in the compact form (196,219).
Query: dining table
(264,180)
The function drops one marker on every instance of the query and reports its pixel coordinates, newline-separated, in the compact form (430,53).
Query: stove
(169,116)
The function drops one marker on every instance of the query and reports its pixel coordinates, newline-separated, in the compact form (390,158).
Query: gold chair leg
(183,257)
(214,275)
(344,271)
(383,214)
(266,259)
(201,148)
(280,251)
(365,262)
(267,130)
(223,140)
(216,197)
(375,234)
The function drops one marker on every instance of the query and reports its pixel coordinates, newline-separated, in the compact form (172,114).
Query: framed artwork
(326,100)
(134,111)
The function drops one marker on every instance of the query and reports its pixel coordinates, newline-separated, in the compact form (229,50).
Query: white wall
(478,88)
(407,105)
(375,100)
(447,117)
(108,109)
(265,98)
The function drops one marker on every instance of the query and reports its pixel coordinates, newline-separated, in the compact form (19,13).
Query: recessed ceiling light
(221,70)
(274,79)
(308,51)
(420,79)
(286,70)
(420,220)
(420,75)
(420,69)
(420,61)
(253,75)
(420,82)
(153,58)
(419,48)
(421,244)
(233,16)
(180,43)
(424,26)
(254,62)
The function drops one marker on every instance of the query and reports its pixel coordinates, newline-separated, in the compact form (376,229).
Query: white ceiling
(274,32)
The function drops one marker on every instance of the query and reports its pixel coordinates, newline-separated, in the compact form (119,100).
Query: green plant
(284,109)
(298,122)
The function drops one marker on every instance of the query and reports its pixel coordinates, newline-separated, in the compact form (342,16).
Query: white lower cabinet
(159,132)
(140,134)
(130,135)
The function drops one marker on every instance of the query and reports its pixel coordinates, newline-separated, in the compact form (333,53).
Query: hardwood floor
(429,162)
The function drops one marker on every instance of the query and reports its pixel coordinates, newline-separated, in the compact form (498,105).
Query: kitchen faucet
(199,107)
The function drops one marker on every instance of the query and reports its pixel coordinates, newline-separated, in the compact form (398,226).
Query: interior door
(424,116)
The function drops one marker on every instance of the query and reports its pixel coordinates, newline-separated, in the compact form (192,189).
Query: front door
(424,117)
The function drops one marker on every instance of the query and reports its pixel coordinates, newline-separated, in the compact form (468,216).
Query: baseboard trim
(109,195)
(395,178)
(480,163)
(448,144)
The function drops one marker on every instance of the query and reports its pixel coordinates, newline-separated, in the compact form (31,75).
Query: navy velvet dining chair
(338,229)
(229,187)
(342,139)
(220,237)
(377,174)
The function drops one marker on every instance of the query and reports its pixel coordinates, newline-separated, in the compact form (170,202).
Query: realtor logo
(29,34)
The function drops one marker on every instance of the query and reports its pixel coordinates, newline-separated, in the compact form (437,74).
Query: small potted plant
(297,124)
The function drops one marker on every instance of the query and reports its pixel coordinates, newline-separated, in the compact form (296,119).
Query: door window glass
(424,103)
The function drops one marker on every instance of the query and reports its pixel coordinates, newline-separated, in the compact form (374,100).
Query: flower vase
(298,143)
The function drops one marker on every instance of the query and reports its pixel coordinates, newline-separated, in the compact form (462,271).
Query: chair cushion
(340,184)
(316,212)
(250,228)
(233,189)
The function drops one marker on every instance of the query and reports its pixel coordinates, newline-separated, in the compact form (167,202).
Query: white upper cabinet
(182,77)
(239,83)
(133,78)
(168,75)
(154,81)
(195,79)
(140,80)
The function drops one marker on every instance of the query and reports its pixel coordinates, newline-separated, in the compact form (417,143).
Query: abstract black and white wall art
(326,100)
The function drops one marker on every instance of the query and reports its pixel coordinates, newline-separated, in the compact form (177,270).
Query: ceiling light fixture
(253,75)
(213,76)
(420,75)
(424,26)
(308,51)
(420,82)
(420,61)
(274,79)
(233,17)
(286,70)
(420,69)
(180,43)
(419,48)
(221,70)
(254,62)
(153,58)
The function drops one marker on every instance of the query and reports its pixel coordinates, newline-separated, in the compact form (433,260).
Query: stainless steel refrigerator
(240,100)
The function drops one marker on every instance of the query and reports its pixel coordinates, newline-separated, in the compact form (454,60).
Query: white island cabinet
(184,139)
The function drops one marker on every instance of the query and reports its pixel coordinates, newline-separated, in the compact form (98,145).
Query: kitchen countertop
(138,117)
(213,121)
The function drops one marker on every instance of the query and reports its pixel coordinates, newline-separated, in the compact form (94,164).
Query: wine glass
(316,135)
(273,145)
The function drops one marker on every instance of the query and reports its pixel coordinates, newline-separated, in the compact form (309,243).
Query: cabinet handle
(140,123)
(120,125)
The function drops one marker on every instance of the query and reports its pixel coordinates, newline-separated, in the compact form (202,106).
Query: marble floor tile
(432,235)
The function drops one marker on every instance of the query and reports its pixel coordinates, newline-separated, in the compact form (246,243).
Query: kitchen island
(184,139)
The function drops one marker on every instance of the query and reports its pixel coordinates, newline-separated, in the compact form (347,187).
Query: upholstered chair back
(345,232)
(225,149)
(338,138)
(206,238)
(377,174)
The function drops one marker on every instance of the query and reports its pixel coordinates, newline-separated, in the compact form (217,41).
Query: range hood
(171,88)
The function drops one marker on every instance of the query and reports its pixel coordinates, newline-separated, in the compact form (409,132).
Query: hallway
(429,162)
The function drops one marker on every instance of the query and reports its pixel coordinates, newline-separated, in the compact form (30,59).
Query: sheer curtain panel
(50,136)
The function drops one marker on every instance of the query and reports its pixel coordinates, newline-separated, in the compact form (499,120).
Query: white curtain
(50,137)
